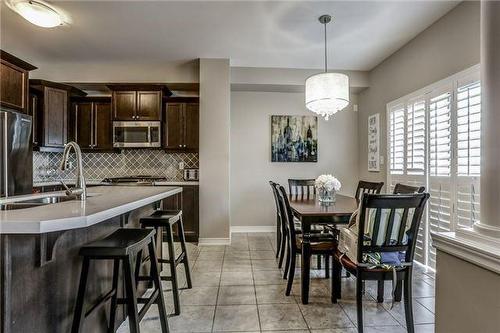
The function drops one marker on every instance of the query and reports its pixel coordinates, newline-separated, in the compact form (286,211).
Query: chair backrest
(388,234)
(367,187)
(407,189)
(275,195)
(304,188)
(287,214)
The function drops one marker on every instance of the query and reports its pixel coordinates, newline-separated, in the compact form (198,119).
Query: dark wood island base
(39,275)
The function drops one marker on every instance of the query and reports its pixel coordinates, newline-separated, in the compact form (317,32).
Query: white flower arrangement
(327,183)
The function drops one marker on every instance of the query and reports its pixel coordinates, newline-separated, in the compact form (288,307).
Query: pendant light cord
(326,53)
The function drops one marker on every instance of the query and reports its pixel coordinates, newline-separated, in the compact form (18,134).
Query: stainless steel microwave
(136,134)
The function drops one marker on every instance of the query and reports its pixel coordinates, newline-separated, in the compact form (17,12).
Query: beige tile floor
(238,288)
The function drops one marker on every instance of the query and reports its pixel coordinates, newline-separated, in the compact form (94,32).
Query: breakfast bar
(39,254)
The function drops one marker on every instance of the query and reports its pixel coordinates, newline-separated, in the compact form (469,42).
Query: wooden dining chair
(324,243)
(367,187)
(280,228)
(398,189)
(392,237)
(407,189)
(305,189)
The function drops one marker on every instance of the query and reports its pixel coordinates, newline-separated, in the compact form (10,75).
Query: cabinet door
(124,105)
(191,126)
(55,115)
(173,133)
(190,212)
(188,201)
(103,126)
(13,87)
(148,105)
(83,131)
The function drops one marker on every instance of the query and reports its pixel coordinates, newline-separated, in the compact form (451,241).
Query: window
(435,141)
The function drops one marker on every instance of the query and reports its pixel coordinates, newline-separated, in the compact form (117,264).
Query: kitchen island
(39,262)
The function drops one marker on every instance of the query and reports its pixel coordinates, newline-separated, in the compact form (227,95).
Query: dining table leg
(306,262)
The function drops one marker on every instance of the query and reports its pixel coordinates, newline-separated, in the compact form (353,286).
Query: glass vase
(326,196)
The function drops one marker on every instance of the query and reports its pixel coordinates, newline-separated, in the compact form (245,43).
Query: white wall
(448,46)
(214,149)
(251,167)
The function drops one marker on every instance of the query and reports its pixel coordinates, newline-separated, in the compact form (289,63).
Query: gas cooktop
(134,180)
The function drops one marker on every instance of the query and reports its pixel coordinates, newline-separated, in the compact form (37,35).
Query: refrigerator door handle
(5,154)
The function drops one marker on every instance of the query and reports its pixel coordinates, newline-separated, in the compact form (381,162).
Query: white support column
(490,120)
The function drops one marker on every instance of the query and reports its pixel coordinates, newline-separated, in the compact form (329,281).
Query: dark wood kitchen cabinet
(14,75)
(49,104)
(137,102)
(91,123)
(188,201)
(181,130)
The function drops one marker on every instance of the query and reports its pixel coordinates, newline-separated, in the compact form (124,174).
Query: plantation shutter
(468,146)
(435,141)
(440,164)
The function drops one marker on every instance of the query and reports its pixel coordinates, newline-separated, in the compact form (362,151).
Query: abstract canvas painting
(294,139)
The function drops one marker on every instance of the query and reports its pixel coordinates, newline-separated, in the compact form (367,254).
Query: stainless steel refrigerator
(16,155)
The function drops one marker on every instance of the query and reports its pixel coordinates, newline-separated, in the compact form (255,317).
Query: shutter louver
(415,138)
(469,129)
(397,140)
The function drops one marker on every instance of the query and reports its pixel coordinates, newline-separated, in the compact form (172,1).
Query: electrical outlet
(181,165)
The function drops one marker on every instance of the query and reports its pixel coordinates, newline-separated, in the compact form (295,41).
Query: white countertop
(103,203)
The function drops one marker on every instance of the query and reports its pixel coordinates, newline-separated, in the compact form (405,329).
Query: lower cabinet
(188,200)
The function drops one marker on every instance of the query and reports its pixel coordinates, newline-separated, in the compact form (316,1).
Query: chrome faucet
(80,189)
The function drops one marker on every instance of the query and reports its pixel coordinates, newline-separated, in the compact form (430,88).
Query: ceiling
(283,34)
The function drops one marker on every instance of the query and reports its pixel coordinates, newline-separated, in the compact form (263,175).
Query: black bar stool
(122,245)
(166,219)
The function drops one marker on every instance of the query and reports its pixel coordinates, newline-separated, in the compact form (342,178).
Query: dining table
(310,211)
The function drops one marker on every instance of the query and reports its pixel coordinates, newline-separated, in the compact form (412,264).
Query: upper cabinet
(91,123)
(14,75)
(137,102)
(181,127)
(49,104)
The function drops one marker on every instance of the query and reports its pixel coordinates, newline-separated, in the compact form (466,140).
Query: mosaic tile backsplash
(98,166)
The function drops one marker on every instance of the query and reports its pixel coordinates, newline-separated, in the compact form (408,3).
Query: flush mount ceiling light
(39,13)
(327,93)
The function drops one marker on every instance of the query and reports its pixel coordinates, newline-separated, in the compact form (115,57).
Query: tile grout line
(254,287)
(218,291)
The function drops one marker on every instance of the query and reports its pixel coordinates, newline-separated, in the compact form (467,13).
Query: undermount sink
(37,202)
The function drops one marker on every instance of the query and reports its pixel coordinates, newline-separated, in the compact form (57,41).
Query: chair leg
(278,237)
(327,266)
(185,261)
(155,275)
(80,299)
(138,264)
(336,280)
(291,273)
(173,270)
(282,251)
(131,296)
(408,302)
(287,262)
(398,292)
(318,261)
(359,302)
(380,291)
(112,311)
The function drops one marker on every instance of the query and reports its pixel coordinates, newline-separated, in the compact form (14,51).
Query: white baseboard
(249,228)
(214,241)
